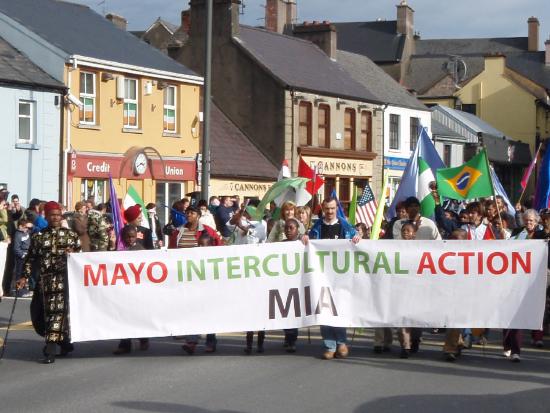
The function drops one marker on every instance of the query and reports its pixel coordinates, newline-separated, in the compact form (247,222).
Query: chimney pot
(533,34)
(547,53)
(118,21)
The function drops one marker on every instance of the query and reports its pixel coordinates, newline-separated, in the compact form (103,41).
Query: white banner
(492,284)
(3,254)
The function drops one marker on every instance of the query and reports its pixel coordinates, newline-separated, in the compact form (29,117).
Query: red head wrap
(132,213)
(51,206)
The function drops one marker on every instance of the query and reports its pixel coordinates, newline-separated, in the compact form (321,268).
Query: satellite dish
(457,68)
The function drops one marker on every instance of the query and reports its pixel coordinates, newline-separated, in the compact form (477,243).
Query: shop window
(366,130)
(349,129)
(166,194)
(330,184)
(170,108)
(26,133)
(324,126)
(88,98)
(304,127)
(415,131)
(344,194)
(95,189)
(130,103)
(394,131)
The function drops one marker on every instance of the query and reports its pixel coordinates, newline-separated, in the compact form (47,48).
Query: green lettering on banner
(398,269)
(199,271)
(264,265)
(322,255)
(361,259)
(216,266)
(307,268)
(335,267)
(231,267)
(249,266)
(296,268)
(180,272)
(381,262)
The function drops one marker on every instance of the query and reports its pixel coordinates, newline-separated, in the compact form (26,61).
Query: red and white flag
(305,171)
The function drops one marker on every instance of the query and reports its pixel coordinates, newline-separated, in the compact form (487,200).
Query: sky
(433,18)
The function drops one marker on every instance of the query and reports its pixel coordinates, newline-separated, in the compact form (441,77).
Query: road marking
(27,325)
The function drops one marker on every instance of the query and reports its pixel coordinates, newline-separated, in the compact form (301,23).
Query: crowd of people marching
(41,235)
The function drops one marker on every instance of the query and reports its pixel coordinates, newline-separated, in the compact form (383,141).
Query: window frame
(447,154)
(414,136)
(308,124)
(366,134)
(31,104)
(394,134)
(325,126)
(352,129)
(128,101)
(85,95)
(173,107)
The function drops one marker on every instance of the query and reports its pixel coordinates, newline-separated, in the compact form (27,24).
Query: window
(87,97)
(349,129)
(415,131)
(94,188)
(305,123)
(166,194)
(447,155)
(366,130)
(324,126)
(394,131)
(26,122)
(330,184)
(470,108)
(170,109)
(344,193)
(130,103)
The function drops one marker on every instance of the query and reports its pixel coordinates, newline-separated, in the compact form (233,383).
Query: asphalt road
(164,379)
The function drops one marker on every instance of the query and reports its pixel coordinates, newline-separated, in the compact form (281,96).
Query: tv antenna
(104,4)
(457,68)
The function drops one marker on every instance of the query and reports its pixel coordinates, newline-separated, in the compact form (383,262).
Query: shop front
(238,187)
(342,174)
(394,167)
(162,180)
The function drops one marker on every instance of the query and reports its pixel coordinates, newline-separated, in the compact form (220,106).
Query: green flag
(471,180)
(377,224)
(423,193)
(353,206)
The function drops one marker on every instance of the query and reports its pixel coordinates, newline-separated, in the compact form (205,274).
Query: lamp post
(205,177)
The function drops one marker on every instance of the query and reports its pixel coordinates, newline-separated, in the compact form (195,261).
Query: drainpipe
(68,146)
(292,93)
(383,111)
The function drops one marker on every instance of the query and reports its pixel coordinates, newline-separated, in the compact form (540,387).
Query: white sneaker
(507,353)
(515,358)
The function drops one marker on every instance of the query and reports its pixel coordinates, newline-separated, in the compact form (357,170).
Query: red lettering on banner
(94,278)
(466,265)
(479,263)
(441,263)
(525,264)
(426,262)
(150,272)
(120,274)
(137,271)
(491,265)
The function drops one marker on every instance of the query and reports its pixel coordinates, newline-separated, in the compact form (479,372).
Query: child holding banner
(292,233)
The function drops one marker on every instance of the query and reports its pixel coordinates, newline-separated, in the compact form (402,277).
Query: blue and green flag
(471,180)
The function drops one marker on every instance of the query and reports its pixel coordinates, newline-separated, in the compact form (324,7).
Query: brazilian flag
(471,180)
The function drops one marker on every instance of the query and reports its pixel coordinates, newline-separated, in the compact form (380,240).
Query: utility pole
(205,178)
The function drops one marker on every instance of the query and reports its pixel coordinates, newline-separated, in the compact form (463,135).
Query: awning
(506,151)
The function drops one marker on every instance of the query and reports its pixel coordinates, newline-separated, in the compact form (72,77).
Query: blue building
(31,116)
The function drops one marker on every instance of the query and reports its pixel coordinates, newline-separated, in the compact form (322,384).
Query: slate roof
(233,154)
(366,72)
(467,47)
(78,30)
(17,68)
(378,40)
(300,64)
(531,65)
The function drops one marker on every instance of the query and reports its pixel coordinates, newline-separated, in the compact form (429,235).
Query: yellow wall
(109,136)
(501,102)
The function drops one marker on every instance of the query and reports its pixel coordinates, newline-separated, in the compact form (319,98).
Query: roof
(378,40)
(366,72)
(531,65)
(17,68)
(425,71)
(233,154)
(300,64)
(470,121)
(78,30)
(439,129)
(466,47)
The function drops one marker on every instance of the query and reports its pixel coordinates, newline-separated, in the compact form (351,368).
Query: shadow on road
(162,407)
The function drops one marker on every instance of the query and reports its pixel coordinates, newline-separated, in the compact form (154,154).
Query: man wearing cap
(49,248)
(144,236)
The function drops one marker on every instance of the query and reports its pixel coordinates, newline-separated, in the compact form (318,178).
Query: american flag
(366,207)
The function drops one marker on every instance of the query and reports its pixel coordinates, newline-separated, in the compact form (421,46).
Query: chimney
(322,34)
(117,20)
(547,53)
(279,15)
(185,21)
(405,22)
(533,34)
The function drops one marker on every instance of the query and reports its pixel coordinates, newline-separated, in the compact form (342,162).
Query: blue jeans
(333,336)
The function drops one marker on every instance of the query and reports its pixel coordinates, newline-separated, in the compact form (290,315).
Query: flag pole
(525,189)
(492,185)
